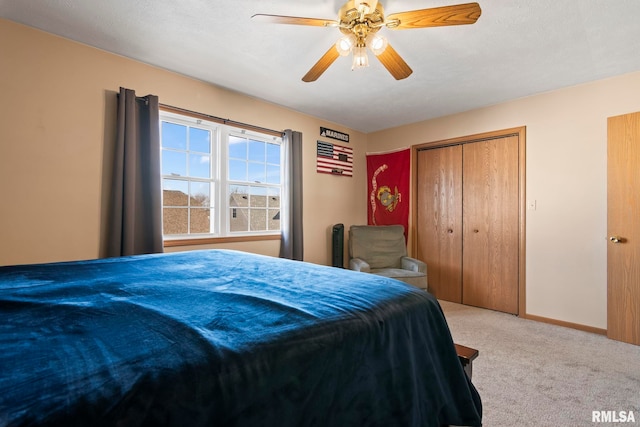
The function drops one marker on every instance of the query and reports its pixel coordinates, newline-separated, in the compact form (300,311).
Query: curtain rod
(221,120)
(215,118)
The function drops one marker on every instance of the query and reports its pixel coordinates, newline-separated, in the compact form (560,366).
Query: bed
(223,338)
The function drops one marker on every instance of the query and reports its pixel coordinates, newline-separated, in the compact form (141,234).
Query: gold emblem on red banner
(387,198)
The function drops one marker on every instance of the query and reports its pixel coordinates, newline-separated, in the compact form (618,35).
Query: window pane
(273,198)
(238,220)
(174,136)
(257,172)
(200,140)
(174,220)
(239,196)
(258,197)
(237,170)
(174,163)
(237,147)
(199,166)
(273,174)
(274,219)
(257,151)
(200,195)
(200,220)
(273,154)
(174,192)
(257,219)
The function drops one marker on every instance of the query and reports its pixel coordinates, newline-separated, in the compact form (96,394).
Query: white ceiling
(517,48)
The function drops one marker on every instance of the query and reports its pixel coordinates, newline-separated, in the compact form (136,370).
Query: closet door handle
(475,230)
(450,231)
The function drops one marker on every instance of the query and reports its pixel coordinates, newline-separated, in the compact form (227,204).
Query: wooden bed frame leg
(466,355)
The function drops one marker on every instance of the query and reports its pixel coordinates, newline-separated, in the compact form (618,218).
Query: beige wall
(57,120)
(566,165)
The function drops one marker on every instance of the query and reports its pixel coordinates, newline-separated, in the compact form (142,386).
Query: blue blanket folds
(223,338)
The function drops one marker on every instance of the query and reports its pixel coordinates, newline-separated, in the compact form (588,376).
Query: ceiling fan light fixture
(377,43)
(360,58)
(360,20)
(345,44)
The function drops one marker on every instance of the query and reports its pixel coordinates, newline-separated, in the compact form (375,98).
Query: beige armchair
(381,249)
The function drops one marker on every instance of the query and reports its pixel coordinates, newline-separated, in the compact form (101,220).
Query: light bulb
(345,44)
(360,58)
(377,43)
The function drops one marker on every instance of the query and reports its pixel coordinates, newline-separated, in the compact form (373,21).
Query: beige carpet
(530,373)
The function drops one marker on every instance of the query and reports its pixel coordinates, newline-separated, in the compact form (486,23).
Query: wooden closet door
(439,218)
(490,224)
(623,208)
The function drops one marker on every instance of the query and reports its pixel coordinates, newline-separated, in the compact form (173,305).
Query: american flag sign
(334,159)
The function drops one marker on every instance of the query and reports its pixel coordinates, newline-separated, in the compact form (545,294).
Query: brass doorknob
(616,239)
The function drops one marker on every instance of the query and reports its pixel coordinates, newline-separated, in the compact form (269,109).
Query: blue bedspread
(223,338)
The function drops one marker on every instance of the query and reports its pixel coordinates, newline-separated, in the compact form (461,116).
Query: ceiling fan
(360,21)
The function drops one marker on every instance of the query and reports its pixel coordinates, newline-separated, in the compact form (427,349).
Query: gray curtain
(291,245)
(136,201)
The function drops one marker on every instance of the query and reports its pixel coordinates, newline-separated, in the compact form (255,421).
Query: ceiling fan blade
(322,65)
(394,63)
(460,14)
(294,20)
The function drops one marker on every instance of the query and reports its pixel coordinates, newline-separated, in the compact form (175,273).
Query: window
(218,181)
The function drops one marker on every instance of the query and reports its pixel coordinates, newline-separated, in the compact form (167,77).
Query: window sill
(215,240)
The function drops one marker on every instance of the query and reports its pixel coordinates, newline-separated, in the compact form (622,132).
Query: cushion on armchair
(382,250)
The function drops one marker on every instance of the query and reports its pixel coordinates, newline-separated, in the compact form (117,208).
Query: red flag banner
(388,181)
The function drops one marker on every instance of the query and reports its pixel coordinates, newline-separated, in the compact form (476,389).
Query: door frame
(520,132)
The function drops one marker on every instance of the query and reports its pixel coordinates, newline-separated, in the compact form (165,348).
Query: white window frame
(219,180)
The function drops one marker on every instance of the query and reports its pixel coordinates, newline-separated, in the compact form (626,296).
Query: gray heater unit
(337,246)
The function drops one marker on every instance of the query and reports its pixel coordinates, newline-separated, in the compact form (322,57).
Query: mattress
(223,338)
